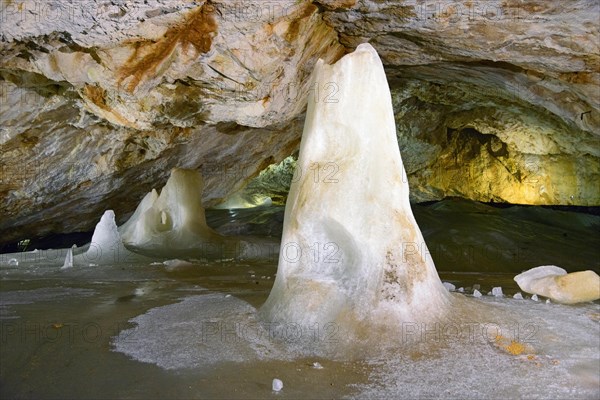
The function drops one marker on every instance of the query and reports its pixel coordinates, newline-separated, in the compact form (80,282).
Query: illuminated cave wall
(463,140)
(469,141)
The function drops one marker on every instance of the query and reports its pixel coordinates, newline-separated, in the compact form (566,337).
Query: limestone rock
(494,100)
(101,99)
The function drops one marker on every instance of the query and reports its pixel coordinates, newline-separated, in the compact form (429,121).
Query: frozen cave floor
(192,333)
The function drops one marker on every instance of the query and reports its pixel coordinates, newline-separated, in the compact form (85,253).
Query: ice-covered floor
(553,351)
(189,330)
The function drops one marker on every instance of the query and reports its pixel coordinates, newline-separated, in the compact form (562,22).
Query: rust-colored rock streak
(197,31)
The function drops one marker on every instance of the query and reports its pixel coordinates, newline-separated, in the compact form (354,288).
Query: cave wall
(463,141)
(495,100)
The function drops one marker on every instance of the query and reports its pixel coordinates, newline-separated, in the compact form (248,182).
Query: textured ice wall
(352,254)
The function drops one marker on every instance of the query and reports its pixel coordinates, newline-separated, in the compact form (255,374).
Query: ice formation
(106,246)
(555,283)
(173,223)
(277,385)
(351,253)
(68,259)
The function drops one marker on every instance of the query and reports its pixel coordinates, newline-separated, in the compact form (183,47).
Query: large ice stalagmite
(174,222)
(351,252)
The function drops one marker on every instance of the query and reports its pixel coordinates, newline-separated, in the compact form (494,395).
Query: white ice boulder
(556,284)
(351,253)
(174,222)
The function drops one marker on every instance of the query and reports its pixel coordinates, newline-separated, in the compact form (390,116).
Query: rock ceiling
(494,100)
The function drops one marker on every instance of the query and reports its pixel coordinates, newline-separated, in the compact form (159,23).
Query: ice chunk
(476,293)
(450,287)
(461,289)
(317,365)
(277,385)
(525,279)
(518,296)
(497,292)
(174,222)
(554,282)
(534,297)
(352,253)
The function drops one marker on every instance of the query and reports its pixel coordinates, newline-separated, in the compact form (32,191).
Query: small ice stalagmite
(106,247)
(352,254)
(555,283)
(68,259)
(173,223)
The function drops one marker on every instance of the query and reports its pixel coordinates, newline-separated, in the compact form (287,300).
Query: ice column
(352,254)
